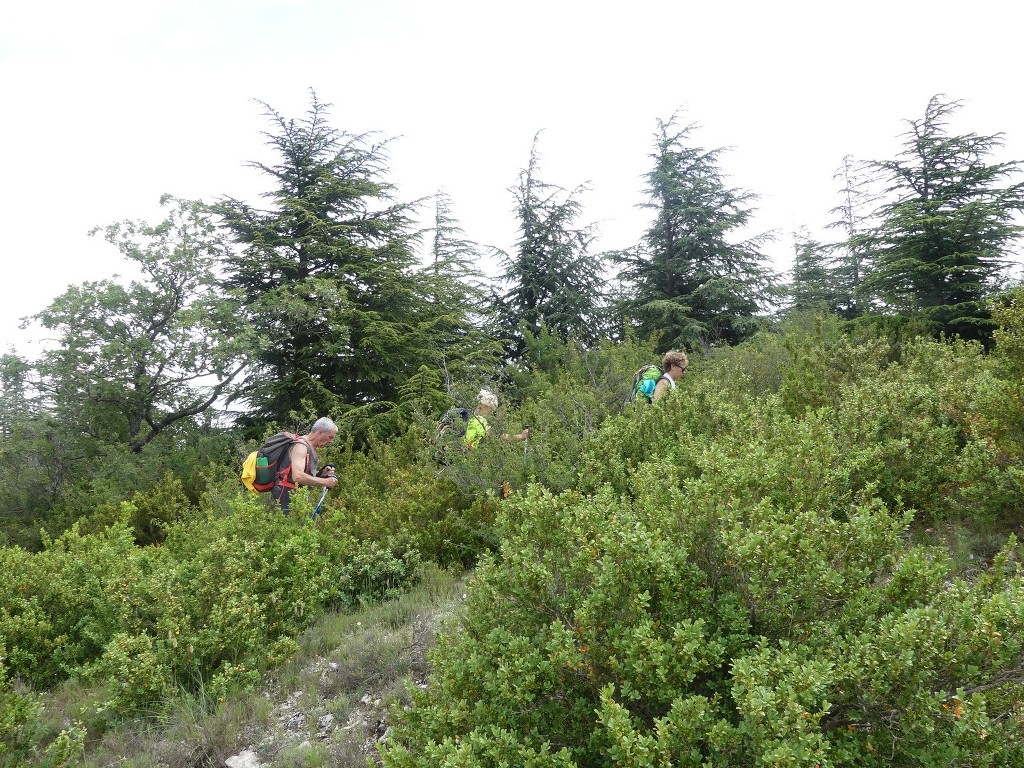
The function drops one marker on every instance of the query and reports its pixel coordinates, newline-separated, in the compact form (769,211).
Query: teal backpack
(644,382)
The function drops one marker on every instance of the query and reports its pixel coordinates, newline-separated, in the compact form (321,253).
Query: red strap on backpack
(284,476)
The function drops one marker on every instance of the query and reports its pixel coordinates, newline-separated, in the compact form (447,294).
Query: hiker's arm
(524,435)
(299,474)
(660,389)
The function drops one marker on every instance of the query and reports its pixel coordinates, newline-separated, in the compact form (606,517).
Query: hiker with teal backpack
(653,382)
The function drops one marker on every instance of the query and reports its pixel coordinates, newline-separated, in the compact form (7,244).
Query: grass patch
(300,717)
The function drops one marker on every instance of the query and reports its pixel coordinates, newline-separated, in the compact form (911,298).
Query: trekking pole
(323,496)
(526,444)
(319,504)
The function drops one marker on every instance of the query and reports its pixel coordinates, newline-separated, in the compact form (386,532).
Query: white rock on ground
(245,759)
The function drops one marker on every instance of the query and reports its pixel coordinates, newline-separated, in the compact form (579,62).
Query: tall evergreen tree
(458,315)
(17,404)
(813,283)
(327,273)
(555,282)
(692,280)
(851,260)
(941,245)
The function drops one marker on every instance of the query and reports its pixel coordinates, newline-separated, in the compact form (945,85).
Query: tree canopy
(327,275)
(555,282)
(943,239)
(695,280)
(131,361)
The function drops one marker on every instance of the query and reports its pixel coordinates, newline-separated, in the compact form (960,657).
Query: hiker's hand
(524,435)
(330,481)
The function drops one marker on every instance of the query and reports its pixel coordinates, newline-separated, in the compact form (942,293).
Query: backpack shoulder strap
(284,471)
(310,453)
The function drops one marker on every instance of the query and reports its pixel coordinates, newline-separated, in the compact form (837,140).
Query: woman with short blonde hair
(674,363)
(478,426)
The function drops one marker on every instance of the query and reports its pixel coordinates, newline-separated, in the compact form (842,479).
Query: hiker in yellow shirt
(478,426)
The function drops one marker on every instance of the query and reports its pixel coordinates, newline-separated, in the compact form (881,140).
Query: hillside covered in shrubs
(805,556)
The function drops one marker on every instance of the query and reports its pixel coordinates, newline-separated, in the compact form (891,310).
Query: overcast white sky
(108,104)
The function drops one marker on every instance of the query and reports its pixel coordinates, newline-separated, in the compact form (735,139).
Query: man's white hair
(486,397)
(324,424)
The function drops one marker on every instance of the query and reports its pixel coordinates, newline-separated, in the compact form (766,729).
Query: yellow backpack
(261,469)
(249,471)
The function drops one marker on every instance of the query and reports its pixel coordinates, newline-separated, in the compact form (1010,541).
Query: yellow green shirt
(476,428)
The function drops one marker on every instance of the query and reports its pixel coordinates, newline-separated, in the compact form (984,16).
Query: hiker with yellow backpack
(289,460)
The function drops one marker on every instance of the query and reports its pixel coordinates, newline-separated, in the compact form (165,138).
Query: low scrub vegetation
(806,556)
(754,574)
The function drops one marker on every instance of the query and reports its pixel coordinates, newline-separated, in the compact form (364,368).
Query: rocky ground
(331,719)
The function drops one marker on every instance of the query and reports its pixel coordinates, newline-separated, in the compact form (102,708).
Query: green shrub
(60,607)
(926,433)
(397,497)
(706,629)
(804,361)
(136,669)
(568,400)
(1008,313)
(238,589)
(218,603)
(722,578)
(157,508)
(18,713)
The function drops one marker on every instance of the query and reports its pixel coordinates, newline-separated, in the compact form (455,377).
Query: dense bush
(59,608)
(572,393)
(395,495)
(212,608)
(743,574)
(238,589)
(706,628)
(734,581)
(17,714)
(56,477)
